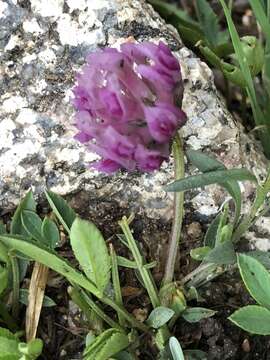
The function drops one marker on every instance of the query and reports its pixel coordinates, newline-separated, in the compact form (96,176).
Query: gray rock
(43,43)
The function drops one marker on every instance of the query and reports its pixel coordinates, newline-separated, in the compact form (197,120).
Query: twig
(35,300)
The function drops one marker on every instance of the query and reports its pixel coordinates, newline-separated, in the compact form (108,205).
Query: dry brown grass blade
(35,300)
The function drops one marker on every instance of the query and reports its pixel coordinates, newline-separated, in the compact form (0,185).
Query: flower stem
(179,172)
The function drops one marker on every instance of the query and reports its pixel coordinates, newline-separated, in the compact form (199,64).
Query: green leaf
(262,256)
(90,250)
(211,233)
(196,314)
(28,203)
(47,301)
(208,21)
(199,253)
(3,279)
(213,177)
(8,345)
(207,164)
(195,355)
(124,262)
(252,318)
(32,224)
(65,214)
(159,316)
(261,17)
(256,279)
(50,259)
(222,254)
(17,228)
(107,344)
(204,162)
(50,233)
(176,350)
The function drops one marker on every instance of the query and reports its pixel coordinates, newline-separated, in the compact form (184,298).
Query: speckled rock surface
(42,44)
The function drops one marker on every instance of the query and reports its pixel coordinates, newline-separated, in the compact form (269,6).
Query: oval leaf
(50,233)
(50,259)
(32,224)
(256,279)
(196,314)
(211,233)
(204,162)
(65,214)
(262,256)
(222,254)
(213,177)
(91,251)
(176,350)
(159,316)
(252,318)
(28,203)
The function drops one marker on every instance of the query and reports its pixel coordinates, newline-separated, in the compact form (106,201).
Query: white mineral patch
(12,104)
(68,155)
(77,4)
(13,41)
(6,135)
(205,204)
(38,87)
(26,116)
(32,26)
(73,33)
(99,4)
(47,8)
(3,8)
(48,57)
(27,59)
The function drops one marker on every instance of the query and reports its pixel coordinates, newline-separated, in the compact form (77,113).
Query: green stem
(122,311)
(179,172)
(145,274)
(116,283)
(15,285)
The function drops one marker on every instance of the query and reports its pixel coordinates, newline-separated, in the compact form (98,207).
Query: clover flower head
(125,103)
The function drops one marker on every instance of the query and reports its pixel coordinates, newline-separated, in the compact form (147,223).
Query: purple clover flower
(126,105)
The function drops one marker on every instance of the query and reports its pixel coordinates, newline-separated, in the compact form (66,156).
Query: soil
(63,328)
